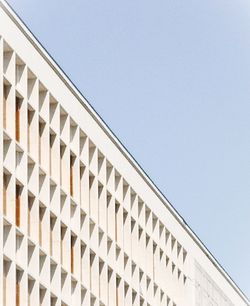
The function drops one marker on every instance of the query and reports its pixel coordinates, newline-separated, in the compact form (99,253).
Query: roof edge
(94,114)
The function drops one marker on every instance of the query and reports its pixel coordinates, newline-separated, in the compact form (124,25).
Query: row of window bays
(113,291)
(114,222)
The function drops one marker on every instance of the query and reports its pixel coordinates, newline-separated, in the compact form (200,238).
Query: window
(18,106)
(17,288)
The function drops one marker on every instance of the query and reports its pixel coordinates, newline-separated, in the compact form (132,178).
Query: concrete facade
(81,224)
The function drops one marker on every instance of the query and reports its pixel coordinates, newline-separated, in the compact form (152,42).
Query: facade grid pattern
(80,223)
(66,207)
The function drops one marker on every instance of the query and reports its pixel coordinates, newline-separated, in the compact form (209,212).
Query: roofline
(108,131)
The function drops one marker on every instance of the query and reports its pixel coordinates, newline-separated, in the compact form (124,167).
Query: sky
(171,78)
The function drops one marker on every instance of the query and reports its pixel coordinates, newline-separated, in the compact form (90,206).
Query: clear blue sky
(172,80)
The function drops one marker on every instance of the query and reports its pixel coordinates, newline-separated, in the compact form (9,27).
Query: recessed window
(18,107)
(18,204)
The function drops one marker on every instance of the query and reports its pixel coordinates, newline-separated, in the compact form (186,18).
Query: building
(80,222)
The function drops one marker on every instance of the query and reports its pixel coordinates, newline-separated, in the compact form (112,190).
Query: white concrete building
(80,222)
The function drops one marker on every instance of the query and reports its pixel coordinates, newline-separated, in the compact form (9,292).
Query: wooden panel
(29,115)
(5,90)
(4,192)
(18,105)
(18,204)
(40,225)
(72,255)
(71,175)
(5,265)
(17,289)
